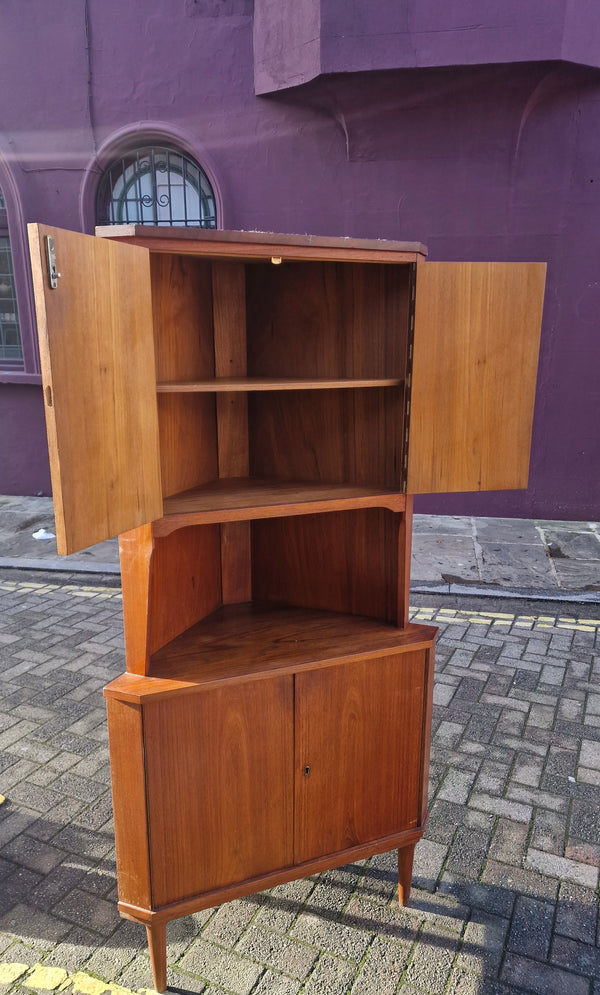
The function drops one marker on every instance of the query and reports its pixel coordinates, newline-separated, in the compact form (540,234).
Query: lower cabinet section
(222,787)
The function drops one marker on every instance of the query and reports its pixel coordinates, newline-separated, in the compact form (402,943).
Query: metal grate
(156,186)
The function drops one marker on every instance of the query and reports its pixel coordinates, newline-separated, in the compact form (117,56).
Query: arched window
(11,352)
(155,185)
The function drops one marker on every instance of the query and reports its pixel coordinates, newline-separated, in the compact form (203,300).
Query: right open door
(476,344)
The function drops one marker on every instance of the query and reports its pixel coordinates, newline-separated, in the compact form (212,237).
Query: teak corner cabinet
(252,414)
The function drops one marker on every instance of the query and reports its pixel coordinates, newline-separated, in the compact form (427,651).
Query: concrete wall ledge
(296,41)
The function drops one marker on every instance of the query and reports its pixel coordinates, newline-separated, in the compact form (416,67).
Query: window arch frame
(27,369)
(159,172)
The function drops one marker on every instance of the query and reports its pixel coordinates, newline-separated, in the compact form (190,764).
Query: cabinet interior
(291,373)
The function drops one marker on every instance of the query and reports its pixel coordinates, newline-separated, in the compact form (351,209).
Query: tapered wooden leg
(157,945)
(405,866)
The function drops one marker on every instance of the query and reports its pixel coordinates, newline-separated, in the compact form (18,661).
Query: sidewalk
(503,557)
(505,886)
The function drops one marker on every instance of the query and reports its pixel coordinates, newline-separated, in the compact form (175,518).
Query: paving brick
(428,862)
(277,951)
(542,979)
(25,921)
(483,942)
(561,867)
(280,906)
(79,906)
(334,937)
(221,967)
(229,922)
(518,880)
(576,912)
(33,854)
(456,786)
(382,969)
(431,963)
(137,976)
(334,888)
(531,927)
(516,811)
(392,921)
(276,984)
(331,975)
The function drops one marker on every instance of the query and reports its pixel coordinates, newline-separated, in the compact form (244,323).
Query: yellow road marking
(52,979)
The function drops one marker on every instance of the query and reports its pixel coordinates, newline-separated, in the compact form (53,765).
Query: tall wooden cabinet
(252,414)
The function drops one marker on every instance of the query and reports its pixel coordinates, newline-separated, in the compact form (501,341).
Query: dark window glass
(11,351)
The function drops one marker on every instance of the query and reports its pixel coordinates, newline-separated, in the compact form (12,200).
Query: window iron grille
(11,350)
(156,186)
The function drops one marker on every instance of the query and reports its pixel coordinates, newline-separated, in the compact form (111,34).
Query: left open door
(97,355)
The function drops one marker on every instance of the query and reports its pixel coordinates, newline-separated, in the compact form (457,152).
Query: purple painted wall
(495,160)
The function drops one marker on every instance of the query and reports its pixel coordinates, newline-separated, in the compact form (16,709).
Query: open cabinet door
(476,343)
(97,355)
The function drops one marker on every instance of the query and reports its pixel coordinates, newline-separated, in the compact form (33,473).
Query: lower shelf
(238,642)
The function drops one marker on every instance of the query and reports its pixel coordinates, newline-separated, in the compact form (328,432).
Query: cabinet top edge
(149,233)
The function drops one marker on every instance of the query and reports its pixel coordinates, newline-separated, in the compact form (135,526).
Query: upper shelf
(227,384)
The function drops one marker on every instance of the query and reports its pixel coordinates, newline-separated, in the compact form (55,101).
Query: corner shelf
(240,499)
(245,642)
(245,384)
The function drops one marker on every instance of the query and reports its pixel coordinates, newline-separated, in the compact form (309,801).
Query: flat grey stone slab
(442,525)
(510,530)
(516,564)
(436,558)
(570,545)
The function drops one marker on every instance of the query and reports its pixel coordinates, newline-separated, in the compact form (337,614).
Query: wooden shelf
(229,384)
(238,499)
(238,642)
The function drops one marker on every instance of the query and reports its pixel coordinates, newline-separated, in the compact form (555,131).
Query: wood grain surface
(340,561)
(358,752)
(253,498)
(238,641)
(95,333)
(219,785)
(477,332)
(254,244)
(126,745)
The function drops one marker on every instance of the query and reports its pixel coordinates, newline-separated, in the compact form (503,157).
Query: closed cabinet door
(359,747)
(475,356)
(219,786)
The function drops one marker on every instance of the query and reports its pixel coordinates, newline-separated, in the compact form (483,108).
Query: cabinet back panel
(327,319)
(342,561)
(185,581)
(328,436)
(182,316)
(188,441)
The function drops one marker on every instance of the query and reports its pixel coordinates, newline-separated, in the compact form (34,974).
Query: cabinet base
(155,920)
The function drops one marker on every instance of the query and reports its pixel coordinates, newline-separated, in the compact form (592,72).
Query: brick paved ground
(506,877)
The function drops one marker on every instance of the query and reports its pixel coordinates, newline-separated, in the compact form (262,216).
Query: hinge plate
(53,274)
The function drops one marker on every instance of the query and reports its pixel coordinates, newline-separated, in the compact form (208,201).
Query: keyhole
(306,771)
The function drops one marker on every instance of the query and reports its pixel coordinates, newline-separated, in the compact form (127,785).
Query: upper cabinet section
(296,41)
(210,377)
